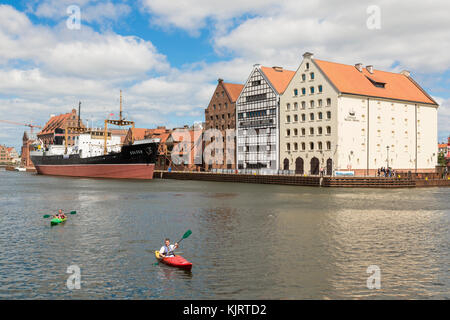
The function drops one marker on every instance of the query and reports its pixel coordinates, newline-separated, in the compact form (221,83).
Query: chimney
(276,68)
(308,55)
(370,69)
(359,66)
(406,73)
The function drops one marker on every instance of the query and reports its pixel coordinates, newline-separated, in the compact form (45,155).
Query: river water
(248,241)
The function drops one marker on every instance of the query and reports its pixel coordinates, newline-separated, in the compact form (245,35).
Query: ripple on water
(249,241)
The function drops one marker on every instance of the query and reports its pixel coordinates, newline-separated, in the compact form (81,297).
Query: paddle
(186,235)
(51,215)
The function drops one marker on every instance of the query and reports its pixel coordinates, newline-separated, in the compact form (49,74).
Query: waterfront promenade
(313,181)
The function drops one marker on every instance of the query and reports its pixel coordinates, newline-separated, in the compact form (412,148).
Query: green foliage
(441,159)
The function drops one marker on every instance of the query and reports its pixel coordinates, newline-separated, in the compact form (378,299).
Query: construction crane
(31,126)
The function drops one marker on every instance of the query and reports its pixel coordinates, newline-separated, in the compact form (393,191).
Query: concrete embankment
(298,180)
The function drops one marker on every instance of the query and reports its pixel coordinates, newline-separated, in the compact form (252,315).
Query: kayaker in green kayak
(60,214)
(167,249)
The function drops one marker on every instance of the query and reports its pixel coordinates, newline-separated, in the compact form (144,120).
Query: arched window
(288,146)
(328,130)
(319,115)
(311,146)
(319,145)
(328,145)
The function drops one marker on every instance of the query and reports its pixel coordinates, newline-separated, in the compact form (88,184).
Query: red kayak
(177,261)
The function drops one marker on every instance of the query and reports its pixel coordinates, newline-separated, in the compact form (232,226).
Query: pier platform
(301,180)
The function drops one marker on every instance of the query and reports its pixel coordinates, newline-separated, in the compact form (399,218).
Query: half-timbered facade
(257,118)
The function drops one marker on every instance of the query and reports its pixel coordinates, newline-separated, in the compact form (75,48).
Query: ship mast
(121,122)
(77,129)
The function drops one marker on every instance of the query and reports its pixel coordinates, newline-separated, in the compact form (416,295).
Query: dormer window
(377,84)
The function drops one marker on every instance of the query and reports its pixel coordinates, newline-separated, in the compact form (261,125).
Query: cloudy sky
(166,55)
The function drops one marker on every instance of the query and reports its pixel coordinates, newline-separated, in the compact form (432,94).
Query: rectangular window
(256,97)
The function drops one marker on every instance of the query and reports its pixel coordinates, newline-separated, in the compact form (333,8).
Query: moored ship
(85,158)
(96,154)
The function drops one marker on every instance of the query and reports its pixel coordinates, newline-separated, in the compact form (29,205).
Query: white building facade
(341,118)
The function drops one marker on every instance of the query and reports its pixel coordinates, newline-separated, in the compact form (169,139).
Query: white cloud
(83,53)
(443,118)
(411,34)
(192,15)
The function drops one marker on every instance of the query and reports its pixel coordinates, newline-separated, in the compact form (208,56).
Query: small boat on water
(21,169)
(176,261)
(56,221)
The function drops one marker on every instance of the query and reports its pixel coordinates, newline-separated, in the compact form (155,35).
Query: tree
(441,159)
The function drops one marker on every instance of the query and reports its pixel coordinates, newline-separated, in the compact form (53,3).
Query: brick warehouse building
(55,127)
(220,114)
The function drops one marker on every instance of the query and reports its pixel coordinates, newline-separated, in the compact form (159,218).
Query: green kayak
(56,221)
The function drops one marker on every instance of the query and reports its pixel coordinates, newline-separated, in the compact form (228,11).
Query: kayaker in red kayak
(166,250)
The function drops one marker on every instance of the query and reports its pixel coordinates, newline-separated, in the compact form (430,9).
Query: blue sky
(167,55)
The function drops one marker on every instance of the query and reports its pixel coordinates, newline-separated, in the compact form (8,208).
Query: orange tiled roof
(233,90)
(347,79)
(278,79)
(54,123)
(442,145)
(138,133)
(162,136)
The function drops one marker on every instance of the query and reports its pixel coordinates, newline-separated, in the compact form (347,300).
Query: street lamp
(387,159)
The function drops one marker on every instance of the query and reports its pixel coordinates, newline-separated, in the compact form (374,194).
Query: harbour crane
(31,126)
